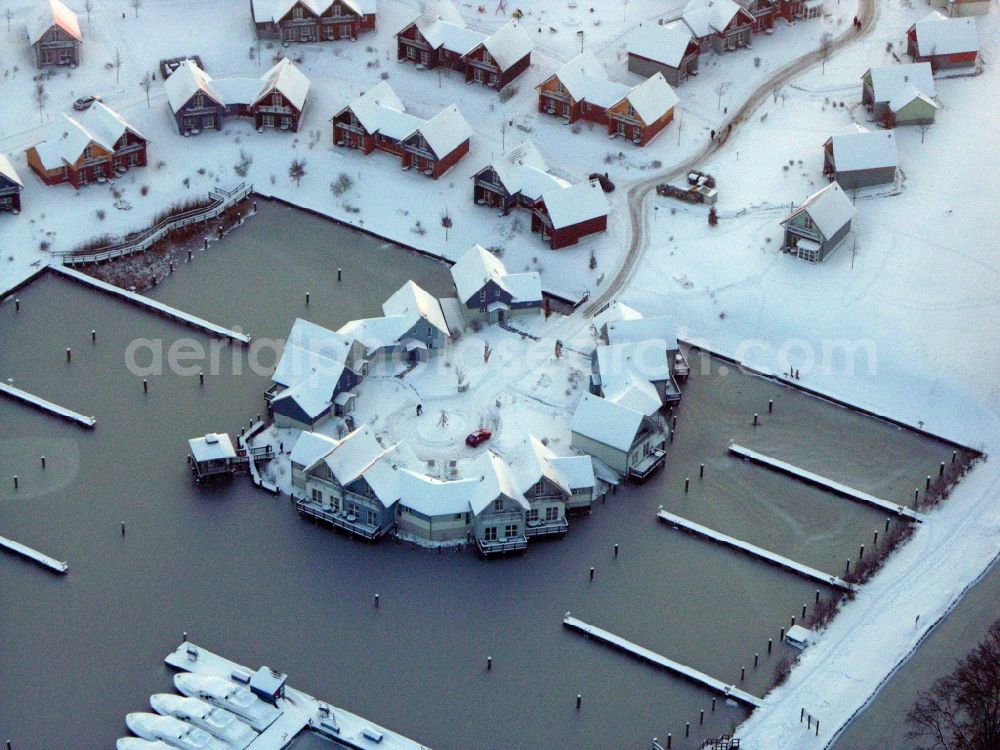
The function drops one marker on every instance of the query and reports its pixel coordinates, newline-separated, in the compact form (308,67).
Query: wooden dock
(297,711)
(24,550)
(41,403)
(150,304)
(822,482)
(753,550)
(729,691)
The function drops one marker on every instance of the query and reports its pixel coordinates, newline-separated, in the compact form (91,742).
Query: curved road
(637,194)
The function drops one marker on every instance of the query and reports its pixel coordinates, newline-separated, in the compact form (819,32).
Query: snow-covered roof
(311,447)
(377,333)
(446,131)
(908,94)
(662,44)
(722,13)
(212,447)
(7,170)
(69,136)
(523,170)
(652,98)
(632,329)
(575,204)
(442,26)
(628,370)
(319,339)
(614,312)
(353,454)
(287,80)
(186,81)
(313,394)
(494,480)
(635,393)
(379,110)
(864,150)
(415,304)
(55,14)
(829,208)
(479,266)
(940,35)
(889,80)
(576,471)
(699,21)
(569,473)
(274,10)
(508,44)
(434,497)
(585,80)
(606,422)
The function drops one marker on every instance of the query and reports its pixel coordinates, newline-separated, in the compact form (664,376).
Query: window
(490,533)
(552,513)
(297,13)
(510,530)
(317,495)
(268,121)
(482,295)
(336,9)
(532,515)
(199,101)
(88,152)
(539,487)
(345,30)
(560,89)
(807,221)
(372,518)
(498,504)
(276,99)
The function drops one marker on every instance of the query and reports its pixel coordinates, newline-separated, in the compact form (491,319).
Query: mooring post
(43,462)
(579,700)
(687,728)
(887,526)
(793,623)
(489,663)
(145,386)
(713,705)
(927,484)
(781,637)
(916,496)
(189,254)
(875,540)
(670,741)
(591,574)
(69,354)
(17,308)
(206,243)
(616,551)
(701,471)
(847,568)
(802,715)
(376,601)
(673,423)
(809,721)
(701,716)
(123,528)
(672,435)
(743,673)
(803,613)
(687,483)
(93,336)
(770,645)
(817,596)
(307,298)
(184,636)
(817,727)
(15,481)
(954,456)
(770,405)
(339,274)
(755,419)
(756,660)
(861,553)
(201,378)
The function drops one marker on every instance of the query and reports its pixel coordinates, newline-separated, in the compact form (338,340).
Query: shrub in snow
(100,214)
(144,190)
(342,184)
(507,93)
(418,228)
(713,217)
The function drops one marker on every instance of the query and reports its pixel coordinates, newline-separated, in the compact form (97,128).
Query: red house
(438,37)
(944,42)
(564,216)
(312,20)
(91,147)
(378,120)
(580,90)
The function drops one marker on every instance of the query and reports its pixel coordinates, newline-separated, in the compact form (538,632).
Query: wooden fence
(222,201)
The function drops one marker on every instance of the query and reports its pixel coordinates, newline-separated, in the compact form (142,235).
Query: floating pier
(150,304)
(754,551)
(820,481)
(25,551)
(729,691)
(60,411)
(298,712)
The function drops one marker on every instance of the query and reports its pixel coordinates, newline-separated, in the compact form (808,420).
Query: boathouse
(861,159)
(55,36)
(627,441)
(10,186)
(819,225)
(669,49)
(214,455)
(944,42)
(312,20)
(486,291)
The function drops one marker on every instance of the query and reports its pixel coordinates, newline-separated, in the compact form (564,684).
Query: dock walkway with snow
(753,550)
(689,673)
(299,712)
(150,304)
(41,403)
(25,551)
(824,483)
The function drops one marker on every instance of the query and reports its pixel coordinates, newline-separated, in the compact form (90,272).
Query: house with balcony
(439,38)
(94,146)
(312,20)
(900,94)
(355,487)
(488,292)
(498,509)
(763,11)
(945,43)
(200,102)
(666,49)
(309,448)
(553,486)
(378,120)
(10,186)
(635,373)
(628,442)
(861,159)
(633,330)
(819,225)
(55,36)
(722,25)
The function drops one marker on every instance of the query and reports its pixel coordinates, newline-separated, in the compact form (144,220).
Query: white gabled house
(554,486)
(625,440)
(309,448)
(499,510)
(413,324)
(633,328)
(434,510)
(486,291)
(636,374)
(814,229)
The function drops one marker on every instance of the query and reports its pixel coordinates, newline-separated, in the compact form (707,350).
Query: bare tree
(825,47)
(297,170)
(961,711)
(88,5)
(117,65)
(136,4)
(8,13)
(147,84)
(40,98)
(721,88)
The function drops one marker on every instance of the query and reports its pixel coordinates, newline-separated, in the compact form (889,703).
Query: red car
(478,437)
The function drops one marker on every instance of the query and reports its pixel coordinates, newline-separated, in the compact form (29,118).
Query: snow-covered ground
(914,298)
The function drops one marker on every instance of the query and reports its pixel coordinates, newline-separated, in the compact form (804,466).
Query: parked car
(478,437)
(84,102)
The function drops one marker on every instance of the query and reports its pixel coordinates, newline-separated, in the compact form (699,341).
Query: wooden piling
(616,551)
(687,483)
(701,716)
(591,574)
(17,308)
(43,462)
(861,553)
(770,645)
(579,700)
(770,406)
(69,354)
(489,663)
(93,336)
